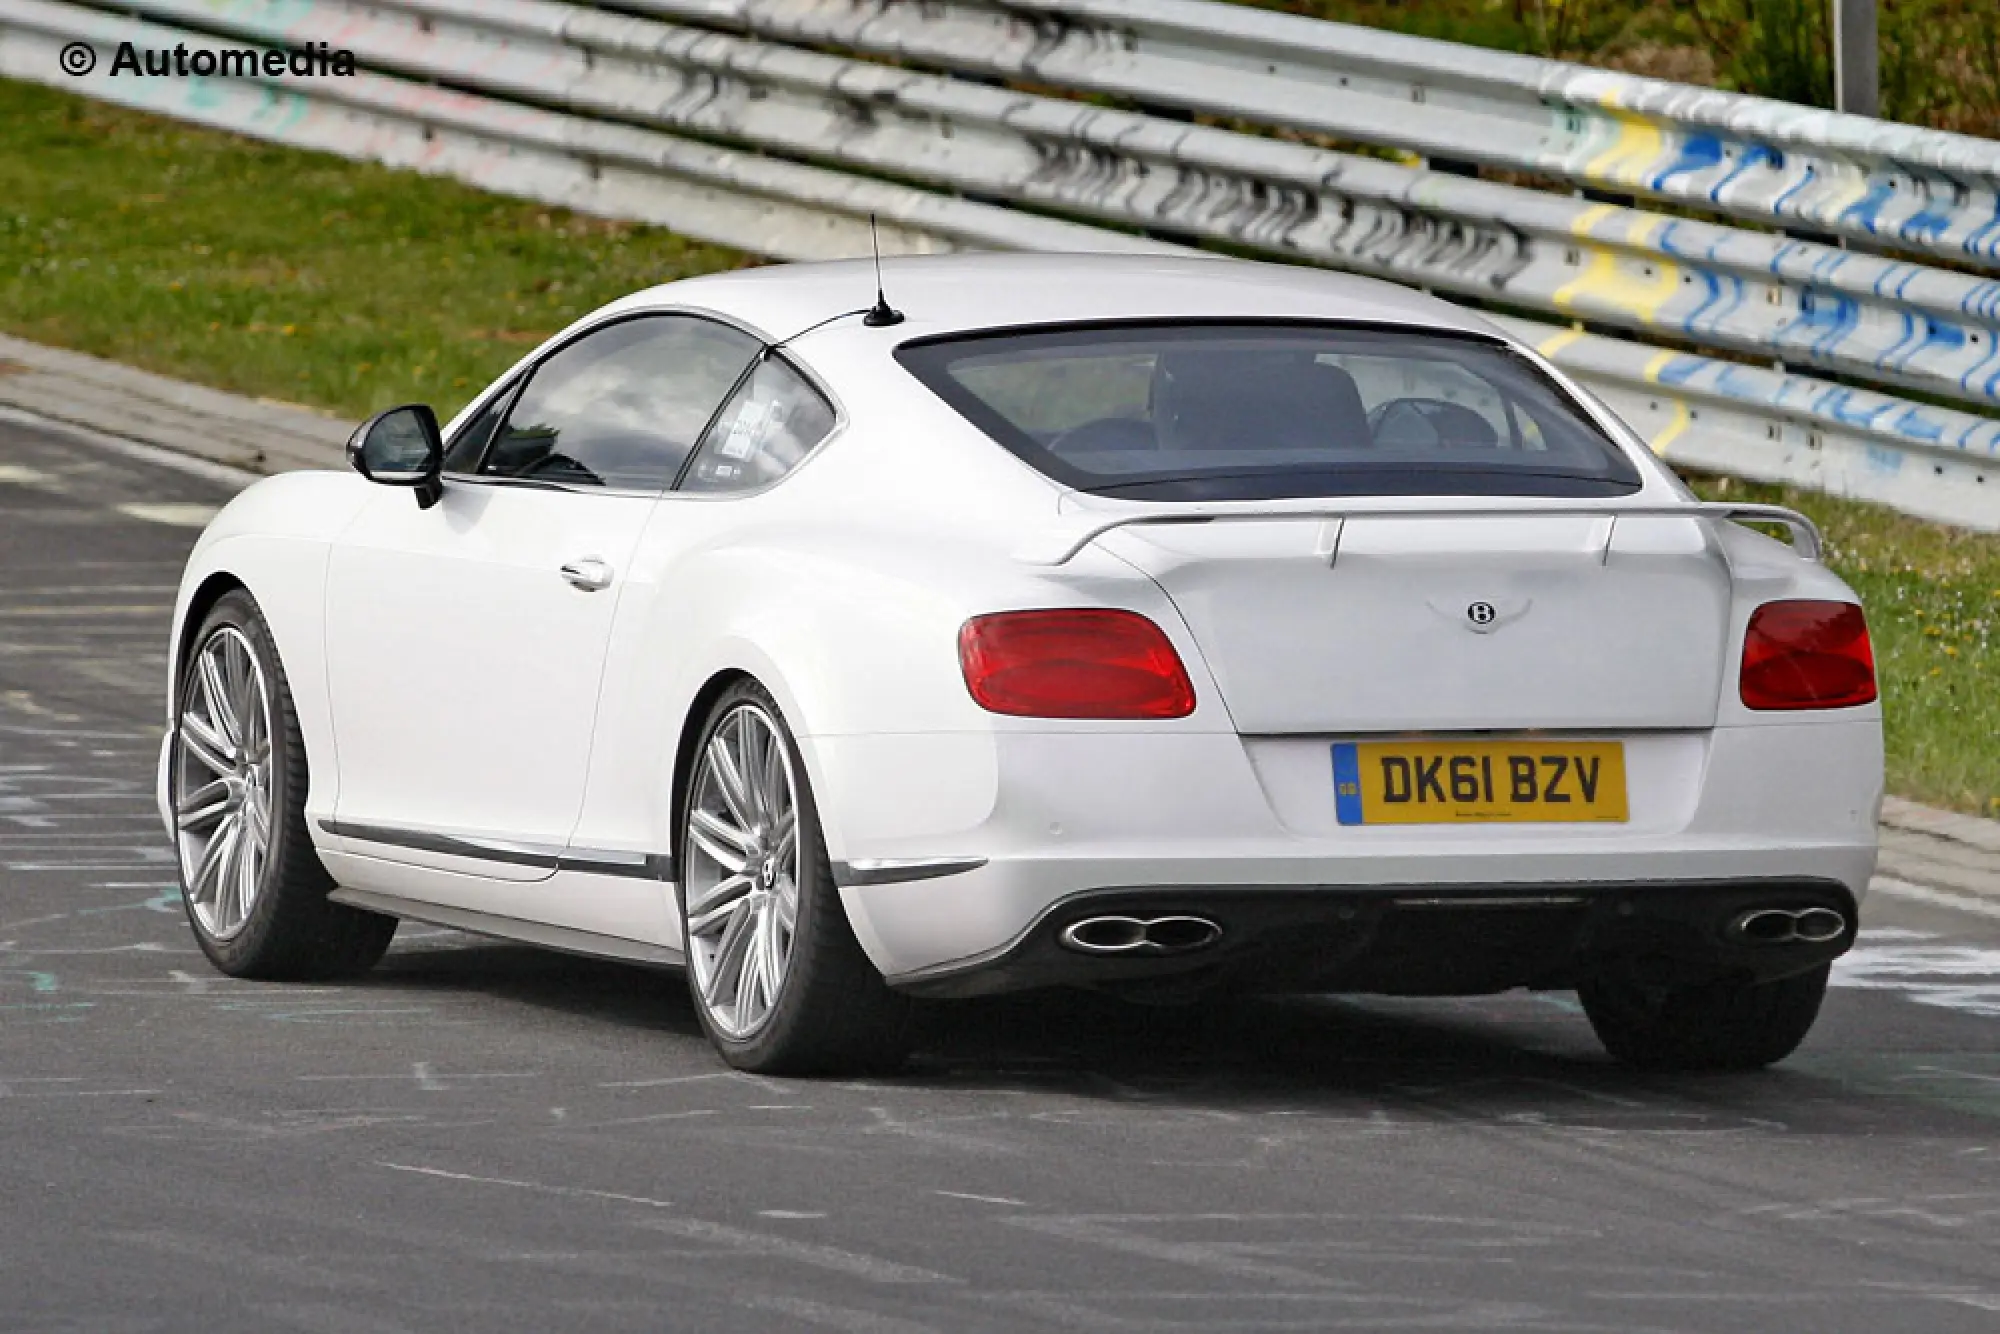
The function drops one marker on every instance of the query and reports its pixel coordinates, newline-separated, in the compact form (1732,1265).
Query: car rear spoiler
(1057,545)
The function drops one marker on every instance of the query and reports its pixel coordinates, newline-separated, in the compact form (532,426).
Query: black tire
(833,1014)
(291,931)
(1712,1026)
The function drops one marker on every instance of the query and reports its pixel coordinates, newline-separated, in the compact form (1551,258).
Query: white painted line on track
(547,1189)
(1924,967)
(1903,889)
(174,515)
(234,478)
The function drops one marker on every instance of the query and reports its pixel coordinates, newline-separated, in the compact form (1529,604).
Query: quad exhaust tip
(1785,926)
(1117,933)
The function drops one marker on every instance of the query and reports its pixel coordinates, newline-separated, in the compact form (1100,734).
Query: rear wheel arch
(693,722)
(826,1008)
(793,711)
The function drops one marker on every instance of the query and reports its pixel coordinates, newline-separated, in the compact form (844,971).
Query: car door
(772,422)
(465,642)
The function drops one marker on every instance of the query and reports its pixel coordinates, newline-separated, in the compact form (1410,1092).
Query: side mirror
(401,447)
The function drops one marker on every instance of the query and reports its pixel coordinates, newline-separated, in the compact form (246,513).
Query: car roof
(942,294)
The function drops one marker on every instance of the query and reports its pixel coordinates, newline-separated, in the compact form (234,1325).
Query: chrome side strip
(894,870)
(513,928)
(595,861)
(637,865)
(451,845)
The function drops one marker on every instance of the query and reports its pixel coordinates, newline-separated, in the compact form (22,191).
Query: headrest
(1212,399)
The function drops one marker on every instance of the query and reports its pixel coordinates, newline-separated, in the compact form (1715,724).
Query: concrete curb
(1969,830)
(1941,852)
(1919,843)
(253,434)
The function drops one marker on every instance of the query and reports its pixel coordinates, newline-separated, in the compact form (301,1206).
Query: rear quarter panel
(842,590)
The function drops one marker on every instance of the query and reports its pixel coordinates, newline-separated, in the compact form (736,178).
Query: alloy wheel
(741,878)
(221,782)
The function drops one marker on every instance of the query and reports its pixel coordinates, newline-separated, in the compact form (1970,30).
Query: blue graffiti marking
(1698,152)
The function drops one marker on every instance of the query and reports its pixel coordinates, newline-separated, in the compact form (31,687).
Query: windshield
(1263,411)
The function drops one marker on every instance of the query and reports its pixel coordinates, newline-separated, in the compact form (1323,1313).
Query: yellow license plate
(1474,782)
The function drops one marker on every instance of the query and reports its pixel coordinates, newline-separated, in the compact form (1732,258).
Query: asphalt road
(484,1137)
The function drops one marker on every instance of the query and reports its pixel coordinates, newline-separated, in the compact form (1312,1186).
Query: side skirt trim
(562,938)
(895,870)
(595,861)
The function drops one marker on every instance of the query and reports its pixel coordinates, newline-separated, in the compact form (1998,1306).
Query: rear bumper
(1410,941)
(1046,820)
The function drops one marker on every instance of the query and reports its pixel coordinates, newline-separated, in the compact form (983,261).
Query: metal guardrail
(1747,157)
(640,87)
(1747,421)
(1927,329)
(781,208)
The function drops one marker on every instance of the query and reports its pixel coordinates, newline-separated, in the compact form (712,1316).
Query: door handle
(590,574)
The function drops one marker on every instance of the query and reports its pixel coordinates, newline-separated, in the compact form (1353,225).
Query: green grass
(1933,600)
(285,274)
(305,278)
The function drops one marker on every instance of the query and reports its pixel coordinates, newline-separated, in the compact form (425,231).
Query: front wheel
(254,889)
(780,983)
(1734,1025)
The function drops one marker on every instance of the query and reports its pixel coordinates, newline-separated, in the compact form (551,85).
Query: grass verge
(302,277)
(287,274)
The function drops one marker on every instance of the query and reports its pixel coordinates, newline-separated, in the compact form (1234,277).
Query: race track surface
(484,1137)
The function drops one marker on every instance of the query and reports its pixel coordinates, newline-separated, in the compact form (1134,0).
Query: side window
(621,407)
(770,424)
(462,454)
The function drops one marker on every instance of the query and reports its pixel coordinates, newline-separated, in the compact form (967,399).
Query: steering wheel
(554,467)
(1433,422)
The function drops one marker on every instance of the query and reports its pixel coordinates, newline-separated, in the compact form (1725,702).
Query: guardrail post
(1857,85)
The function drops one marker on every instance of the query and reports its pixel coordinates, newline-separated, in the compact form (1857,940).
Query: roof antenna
(880,315)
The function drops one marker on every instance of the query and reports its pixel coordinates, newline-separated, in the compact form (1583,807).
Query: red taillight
(1078,663)
(1807,655)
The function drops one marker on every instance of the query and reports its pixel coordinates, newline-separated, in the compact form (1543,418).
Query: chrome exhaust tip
(1105,935)
(1764,926)
(1117,933)
(1785,926)
(1819,925)
(1178,935)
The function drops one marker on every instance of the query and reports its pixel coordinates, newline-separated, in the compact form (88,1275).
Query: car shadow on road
(445,964)
(1519,1058)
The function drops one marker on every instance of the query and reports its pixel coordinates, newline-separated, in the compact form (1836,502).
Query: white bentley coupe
(1173,627)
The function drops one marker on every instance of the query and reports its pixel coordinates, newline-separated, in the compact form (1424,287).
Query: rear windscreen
(1264,411)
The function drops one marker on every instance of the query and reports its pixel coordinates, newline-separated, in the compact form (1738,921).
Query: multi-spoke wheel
(222,783)
(236,780)
(743,871)
(778,979)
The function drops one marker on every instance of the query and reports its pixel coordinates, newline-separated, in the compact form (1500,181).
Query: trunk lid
(1396,623)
